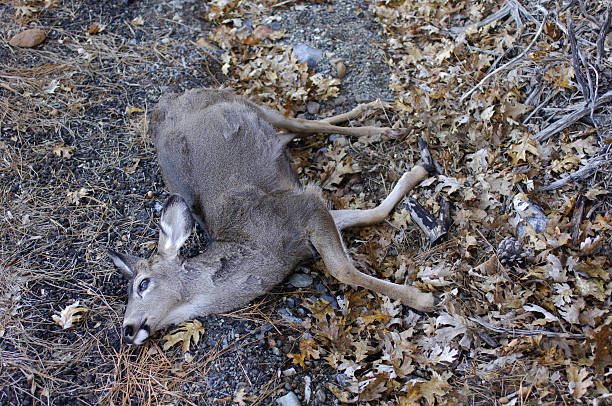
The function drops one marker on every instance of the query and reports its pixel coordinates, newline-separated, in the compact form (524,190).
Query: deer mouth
(138,337)
(142,335)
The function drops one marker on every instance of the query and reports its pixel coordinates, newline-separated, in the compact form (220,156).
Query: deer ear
(175,226)
(124,262)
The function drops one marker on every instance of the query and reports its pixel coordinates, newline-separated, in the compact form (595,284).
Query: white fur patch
(141,337)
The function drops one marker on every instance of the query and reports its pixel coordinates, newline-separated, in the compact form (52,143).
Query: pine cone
(510,251)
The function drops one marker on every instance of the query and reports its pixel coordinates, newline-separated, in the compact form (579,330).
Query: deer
(229,170)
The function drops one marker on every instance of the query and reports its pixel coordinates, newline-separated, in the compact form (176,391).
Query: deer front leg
(357,218)
(325,237)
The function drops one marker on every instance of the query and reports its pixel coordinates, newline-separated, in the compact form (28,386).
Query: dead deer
(229,170)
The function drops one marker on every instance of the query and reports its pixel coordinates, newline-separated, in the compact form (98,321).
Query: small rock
(340,70)
(340,100)
(276,351)
(289,372)
(28,38)
(288,400)
(304,53)
(300,280)
(313,107)
(320,395)
(362,98)
(357,189)
(307,390)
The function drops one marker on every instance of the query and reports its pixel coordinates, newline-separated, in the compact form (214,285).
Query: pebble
(300,280)
(288,400)
(340,100)
(362,98)
(289,372)
(28,38)
(313,107)
(320,395)
(340,70)
(304,53)
(307,390)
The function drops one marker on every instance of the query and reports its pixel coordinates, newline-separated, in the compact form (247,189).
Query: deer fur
(229,170)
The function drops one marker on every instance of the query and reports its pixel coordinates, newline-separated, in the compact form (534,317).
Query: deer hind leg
(326,126)
(325,237)
(357,218)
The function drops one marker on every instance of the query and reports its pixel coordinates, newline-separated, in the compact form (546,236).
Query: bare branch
(508,64)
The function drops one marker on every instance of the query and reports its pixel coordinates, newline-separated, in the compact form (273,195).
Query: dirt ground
(78,174)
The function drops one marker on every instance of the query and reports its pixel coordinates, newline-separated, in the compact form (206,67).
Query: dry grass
(78,174)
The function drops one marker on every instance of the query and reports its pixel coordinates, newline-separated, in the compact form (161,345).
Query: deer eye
(144,284)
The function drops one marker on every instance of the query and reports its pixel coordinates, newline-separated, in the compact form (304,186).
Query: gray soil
(66,259)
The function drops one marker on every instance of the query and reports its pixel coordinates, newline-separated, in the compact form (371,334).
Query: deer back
(214,147)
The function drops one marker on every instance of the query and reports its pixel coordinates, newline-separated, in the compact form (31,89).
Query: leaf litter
(514,100)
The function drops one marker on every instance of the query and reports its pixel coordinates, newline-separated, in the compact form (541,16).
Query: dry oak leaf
(185,333)
(95,28)
(516,110)
(69,315)
(63,151)
(567,163)
(601,340)
(240,397)
(25,11)
(308,350)
(373,388)
(518,152)
(28,38)
(131,109)
(138,21)
(579,381)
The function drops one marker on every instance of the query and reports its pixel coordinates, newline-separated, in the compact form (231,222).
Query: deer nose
(128,332)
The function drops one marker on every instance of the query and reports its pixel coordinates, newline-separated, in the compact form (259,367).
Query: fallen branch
(602,37)
(571,118)
(522,332)
(426,222)
(579,174)
(576,57)
(508,64)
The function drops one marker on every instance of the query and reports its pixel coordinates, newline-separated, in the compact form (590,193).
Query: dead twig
(572,117)
(508,64)
(602,37)
(579,174)
(576,56)
(523,332)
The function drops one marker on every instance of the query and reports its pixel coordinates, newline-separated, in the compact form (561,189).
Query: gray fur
(229,169)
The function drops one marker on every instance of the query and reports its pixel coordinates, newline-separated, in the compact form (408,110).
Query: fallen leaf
(186,333)
(24,11)
(131,109)
(63,151)
(240,397)
(69,315)
(518,152)
(568,163)
(138,21)
(95,28)
(437,385)
(579,381)
(439,354)
(601,340)
(76,196)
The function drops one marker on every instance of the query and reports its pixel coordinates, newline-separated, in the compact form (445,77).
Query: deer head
(156,292)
